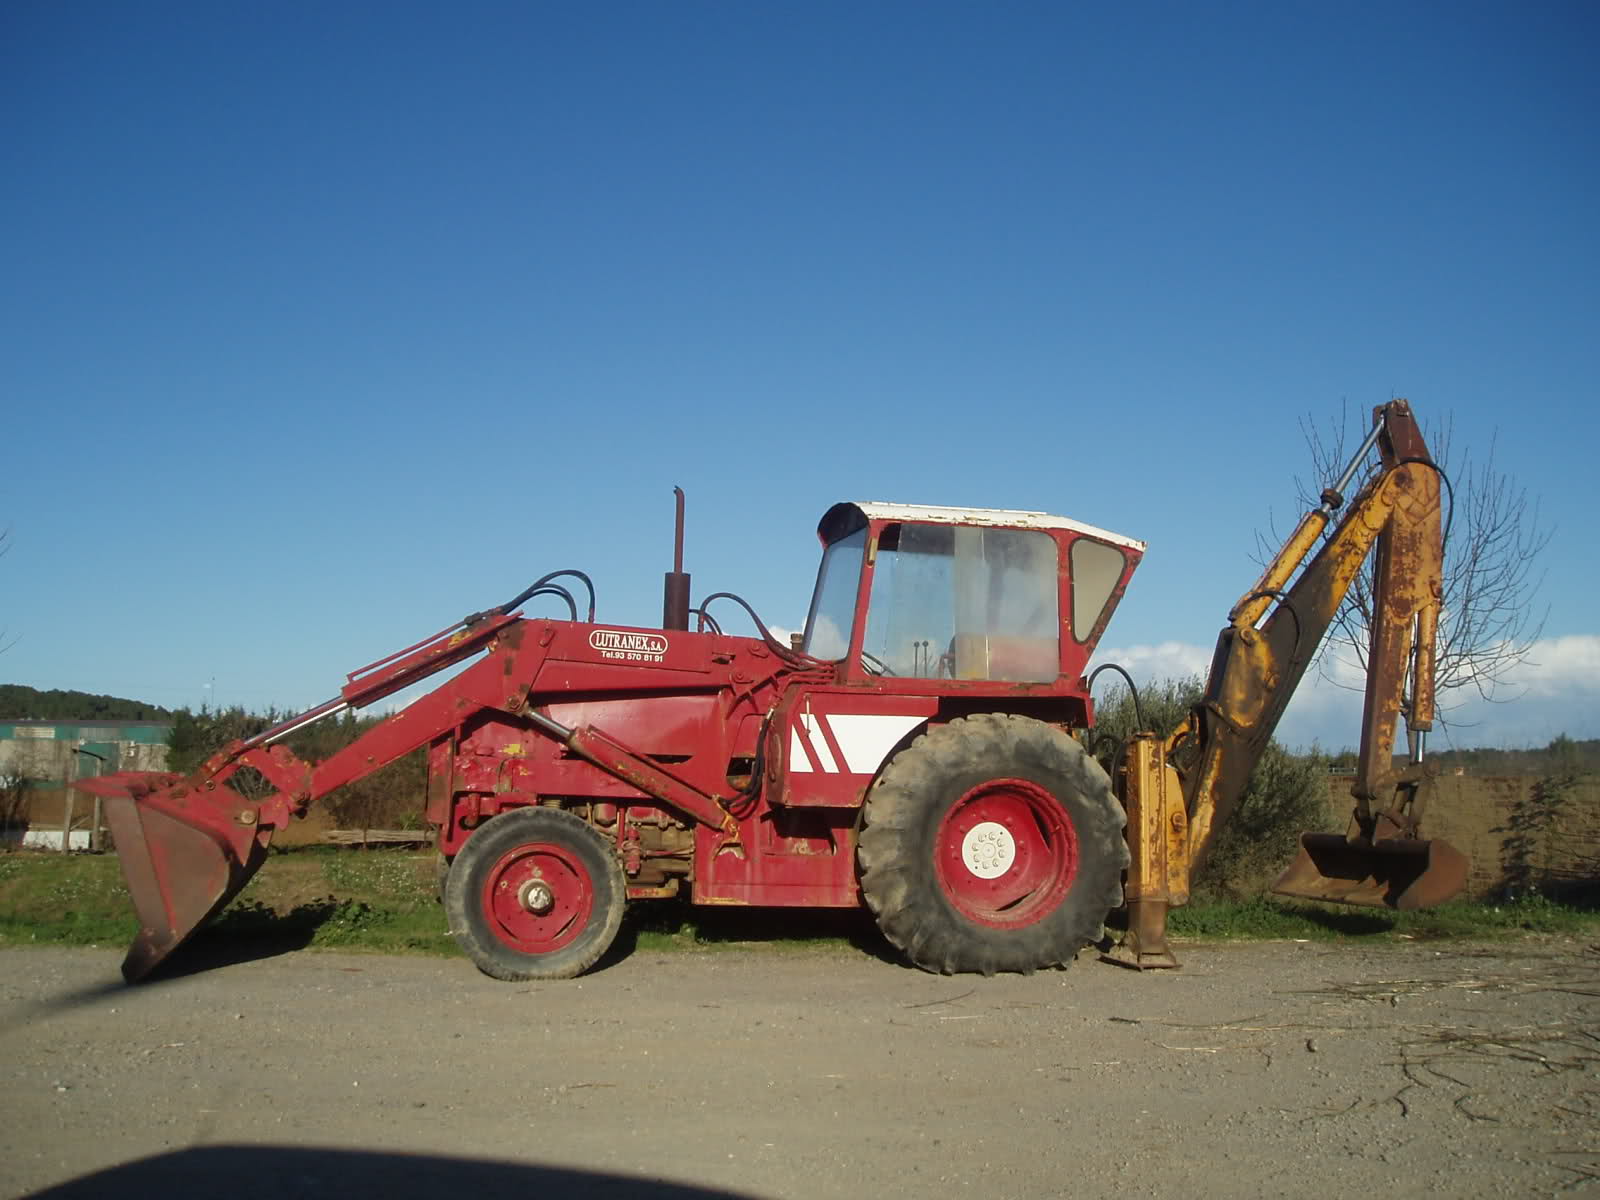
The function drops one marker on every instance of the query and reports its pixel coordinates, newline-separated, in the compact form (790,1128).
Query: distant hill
(1563,755)
(18,703)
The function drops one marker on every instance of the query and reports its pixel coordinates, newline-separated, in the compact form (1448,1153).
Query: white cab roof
(939,514)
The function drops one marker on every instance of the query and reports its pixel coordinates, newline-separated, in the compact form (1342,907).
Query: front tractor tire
(992,843)
(536,893)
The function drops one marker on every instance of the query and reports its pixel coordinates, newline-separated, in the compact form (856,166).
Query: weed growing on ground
(397,877)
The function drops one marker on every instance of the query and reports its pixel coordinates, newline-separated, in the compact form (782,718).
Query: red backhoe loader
(917,751)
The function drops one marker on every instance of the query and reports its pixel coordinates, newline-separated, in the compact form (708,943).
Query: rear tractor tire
(536,893)
(992,843)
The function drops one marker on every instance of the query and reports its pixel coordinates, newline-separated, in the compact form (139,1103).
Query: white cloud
(1555,690)
(1560,666)
(1168,660)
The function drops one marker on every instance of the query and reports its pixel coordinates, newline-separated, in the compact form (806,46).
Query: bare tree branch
(1494,536)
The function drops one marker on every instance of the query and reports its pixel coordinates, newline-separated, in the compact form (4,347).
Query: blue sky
(324,324)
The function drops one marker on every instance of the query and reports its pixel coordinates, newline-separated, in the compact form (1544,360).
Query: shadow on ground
(238,936)
(245,933)
(305,1173)
(717,926)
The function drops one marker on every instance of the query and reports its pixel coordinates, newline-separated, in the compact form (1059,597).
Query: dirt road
(1278,1069)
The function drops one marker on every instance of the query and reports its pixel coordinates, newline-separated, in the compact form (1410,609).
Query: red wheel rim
(537,898)
(1006,853)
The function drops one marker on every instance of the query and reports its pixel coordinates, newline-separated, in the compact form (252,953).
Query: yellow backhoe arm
(1178,791)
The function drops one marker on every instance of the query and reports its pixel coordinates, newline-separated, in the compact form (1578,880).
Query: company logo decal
(628,647)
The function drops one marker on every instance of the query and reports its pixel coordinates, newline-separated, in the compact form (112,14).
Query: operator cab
(963,594)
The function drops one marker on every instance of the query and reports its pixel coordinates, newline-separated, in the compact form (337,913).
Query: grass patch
(377,900)
(1268,918)
(63,899)
(383,900)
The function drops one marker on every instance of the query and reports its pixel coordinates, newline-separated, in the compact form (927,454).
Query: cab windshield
(959,602)
(833,604)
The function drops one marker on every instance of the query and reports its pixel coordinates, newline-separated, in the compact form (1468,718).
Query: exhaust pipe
(675,604)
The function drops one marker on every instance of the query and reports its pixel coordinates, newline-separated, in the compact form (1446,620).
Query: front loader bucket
(1401,873)
(185,853)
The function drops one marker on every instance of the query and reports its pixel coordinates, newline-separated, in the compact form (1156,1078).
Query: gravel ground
(1266,1069)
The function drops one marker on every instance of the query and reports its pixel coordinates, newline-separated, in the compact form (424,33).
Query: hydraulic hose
(1138,713)
(539,586)
(540,582)
(793,657)
(555,589)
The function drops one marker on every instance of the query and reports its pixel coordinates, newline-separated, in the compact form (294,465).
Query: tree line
(1561,754)
(19,703)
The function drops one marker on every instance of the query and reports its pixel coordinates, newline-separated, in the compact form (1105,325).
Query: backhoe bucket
(185,853)
(1400,873)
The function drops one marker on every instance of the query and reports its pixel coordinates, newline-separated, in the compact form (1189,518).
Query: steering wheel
(873,665)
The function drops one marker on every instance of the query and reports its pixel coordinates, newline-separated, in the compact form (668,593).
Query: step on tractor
(918,750)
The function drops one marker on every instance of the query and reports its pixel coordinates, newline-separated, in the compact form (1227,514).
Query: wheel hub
(536,897)
(988,850)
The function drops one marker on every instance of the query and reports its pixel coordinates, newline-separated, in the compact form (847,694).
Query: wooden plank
(359,837)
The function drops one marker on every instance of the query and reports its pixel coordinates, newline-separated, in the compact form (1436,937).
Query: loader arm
(188,845)
(1181,791)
